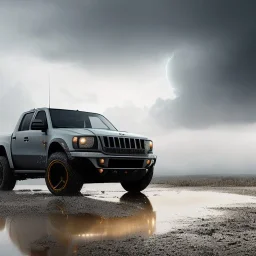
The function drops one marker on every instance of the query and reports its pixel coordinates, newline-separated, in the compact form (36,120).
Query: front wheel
(7,177)
(61,178)
(138,186)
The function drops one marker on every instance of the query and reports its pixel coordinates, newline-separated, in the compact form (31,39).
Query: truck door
(28,146)
(38,144)
(20,144)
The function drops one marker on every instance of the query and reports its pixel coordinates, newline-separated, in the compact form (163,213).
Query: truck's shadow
(67,231)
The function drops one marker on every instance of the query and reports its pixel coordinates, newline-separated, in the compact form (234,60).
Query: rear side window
(25,123)
(41,115)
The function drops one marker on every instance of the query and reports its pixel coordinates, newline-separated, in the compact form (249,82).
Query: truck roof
(45,108)
(57,109)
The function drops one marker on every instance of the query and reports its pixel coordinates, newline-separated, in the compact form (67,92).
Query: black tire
(138,186)
(61,177)
(7,177)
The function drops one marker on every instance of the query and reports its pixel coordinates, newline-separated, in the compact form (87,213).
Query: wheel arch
(58,145)
(4,151)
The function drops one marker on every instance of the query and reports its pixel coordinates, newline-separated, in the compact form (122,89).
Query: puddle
(159,210)
(177,207)
(22,235)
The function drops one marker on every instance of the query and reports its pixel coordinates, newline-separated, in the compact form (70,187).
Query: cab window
(25,123)
(41,115)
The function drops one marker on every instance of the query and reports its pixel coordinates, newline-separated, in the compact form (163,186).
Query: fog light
(101,171)
(102,161)
(148,162)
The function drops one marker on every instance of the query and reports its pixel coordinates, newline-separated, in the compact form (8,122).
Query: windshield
(77,119)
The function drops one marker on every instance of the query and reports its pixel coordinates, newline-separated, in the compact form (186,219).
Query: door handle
(26,139)
(14,138)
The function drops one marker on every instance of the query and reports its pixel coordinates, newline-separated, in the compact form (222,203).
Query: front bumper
(116,168)
(101,155)
(95,156)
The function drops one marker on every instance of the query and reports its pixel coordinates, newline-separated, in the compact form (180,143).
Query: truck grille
(121,145)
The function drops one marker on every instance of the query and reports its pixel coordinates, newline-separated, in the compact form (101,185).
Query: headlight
(149,145)
(84,142)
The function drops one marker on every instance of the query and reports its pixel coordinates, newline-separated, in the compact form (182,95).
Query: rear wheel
(61,177)
(7,177)
(137,186)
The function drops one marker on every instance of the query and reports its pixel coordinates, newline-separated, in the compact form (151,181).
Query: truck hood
(99,132)
(102,132)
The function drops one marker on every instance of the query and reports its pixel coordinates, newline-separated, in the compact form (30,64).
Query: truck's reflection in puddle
(30,234)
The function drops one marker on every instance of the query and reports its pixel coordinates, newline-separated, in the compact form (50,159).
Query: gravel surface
(231,233)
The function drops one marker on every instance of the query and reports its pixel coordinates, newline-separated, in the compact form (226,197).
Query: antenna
(49,92)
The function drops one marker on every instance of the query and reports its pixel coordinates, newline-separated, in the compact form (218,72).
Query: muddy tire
(138,186)
(7,177)
(61,177)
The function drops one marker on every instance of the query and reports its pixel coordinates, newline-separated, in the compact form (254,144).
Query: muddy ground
(110,222)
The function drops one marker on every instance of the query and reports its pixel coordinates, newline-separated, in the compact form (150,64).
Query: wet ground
(105,220)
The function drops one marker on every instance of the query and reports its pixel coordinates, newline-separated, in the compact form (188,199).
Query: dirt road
(105,220)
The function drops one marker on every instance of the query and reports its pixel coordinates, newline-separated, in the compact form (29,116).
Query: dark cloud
(96,32)
(214,85)
(213,68)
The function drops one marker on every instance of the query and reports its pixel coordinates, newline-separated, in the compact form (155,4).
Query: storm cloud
(213,44)
(214,85)
(104,31)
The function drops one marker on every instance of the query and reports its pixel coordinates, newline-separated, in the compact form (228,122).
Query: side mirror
(38,125)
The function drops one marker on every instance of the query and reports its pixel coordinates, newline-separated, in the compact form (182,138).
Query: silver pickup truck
(69,148)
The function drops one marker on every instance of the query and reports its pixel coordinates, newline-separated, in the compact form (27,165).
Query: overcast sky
(181,72)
